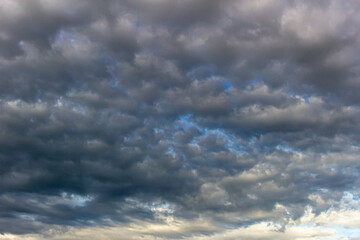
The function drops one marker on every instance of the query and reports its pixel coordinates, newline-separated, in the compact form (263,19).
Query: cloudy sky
(179,119)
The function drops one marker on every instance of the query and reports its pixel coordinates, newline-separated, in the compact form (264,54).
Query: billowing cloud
(179,119)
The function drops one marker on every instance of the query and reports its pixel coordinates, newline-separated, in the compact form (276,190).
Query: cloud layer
(179,119)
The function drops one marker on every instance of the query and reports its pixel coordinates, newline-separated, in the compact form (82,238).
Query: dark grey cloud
(240,111)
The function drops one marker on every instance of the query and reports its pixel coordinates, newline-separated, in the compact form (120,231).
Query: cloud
(179,119)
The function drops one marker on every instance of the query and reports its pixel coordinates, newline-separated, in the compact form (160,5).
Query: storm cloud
(159,119)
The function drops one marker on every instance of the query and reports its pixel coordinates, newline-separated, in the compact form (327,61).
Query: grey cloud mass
(159,119)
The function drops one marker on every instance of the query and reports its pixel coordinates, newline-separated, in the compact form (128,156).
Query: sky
(179,119)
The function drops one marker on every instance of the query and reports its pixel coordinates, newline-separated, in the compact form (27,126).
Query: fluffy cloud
(179,119)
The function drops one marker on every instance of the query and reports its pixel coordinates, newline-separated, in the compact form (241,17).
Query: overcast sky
(179,119)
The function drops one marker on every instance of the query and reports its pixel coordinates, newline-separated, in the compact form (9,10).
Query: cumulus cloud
(179,119)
